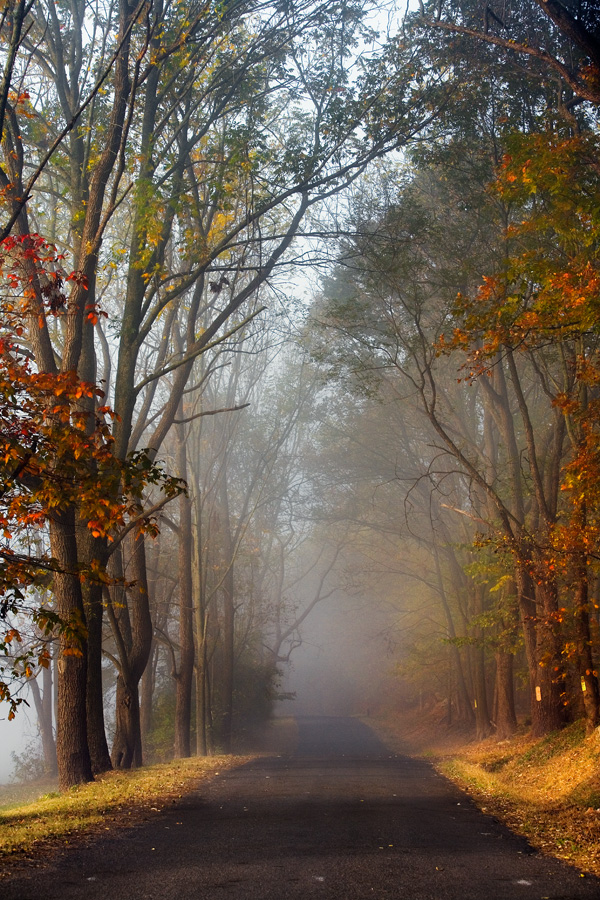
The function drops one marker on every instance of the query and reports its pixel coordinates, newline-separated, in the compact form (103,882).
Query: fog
(342,661)
(18,737)
(327,546)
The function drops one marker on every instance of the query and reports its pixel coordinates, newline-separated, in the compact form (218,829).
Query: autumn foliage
(51,458)
(548,289)
(542,303)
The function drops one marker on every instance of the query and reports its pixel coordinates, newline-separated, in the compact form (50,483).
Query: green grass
(555,743)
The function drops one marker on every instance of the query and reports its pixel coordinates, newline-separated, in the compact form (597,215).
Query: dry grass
(30,824)
(115,799)
(547,790)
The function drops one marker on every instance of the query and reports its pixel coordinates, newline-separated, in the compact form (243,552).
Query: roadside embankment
(112,800)
(31,824)
(547,790)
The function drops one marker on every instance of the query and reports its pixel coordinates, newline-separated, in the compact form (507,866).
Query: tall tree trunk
(549,658)
(48,707)
(148,681)
(588,678)
(126,751)
(97,742)
(132,626)
(483,723)
(201,691)
(185,674)
(506,718)
(43,706)
(546,708)
(208,702)
(464,701)
(89,548)
(200,630)
(536,607)
(227,674)
(74,763)
(228,633)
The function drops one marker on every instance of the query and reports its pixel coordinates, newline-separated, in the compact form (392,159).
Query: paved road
(343,819)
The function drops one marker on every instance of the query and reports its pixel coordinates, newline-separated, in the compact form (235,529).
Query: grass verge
(114,799)
(547,790)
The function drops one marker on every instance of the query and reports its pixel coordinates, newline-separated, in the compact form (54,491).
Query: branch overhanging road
(341,819)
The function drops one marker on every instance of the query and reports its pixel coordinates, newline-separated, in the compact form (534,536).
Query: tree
(570,49)
(391,319)
(175,127)
(541,302)
(52,461)
(527,248)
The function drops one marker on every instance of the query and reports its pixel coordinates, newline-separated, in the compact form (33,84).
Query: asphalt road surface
(342,819)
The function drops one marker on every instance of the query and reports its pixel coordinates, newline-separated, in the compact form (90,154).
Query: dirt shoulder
(547,790)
